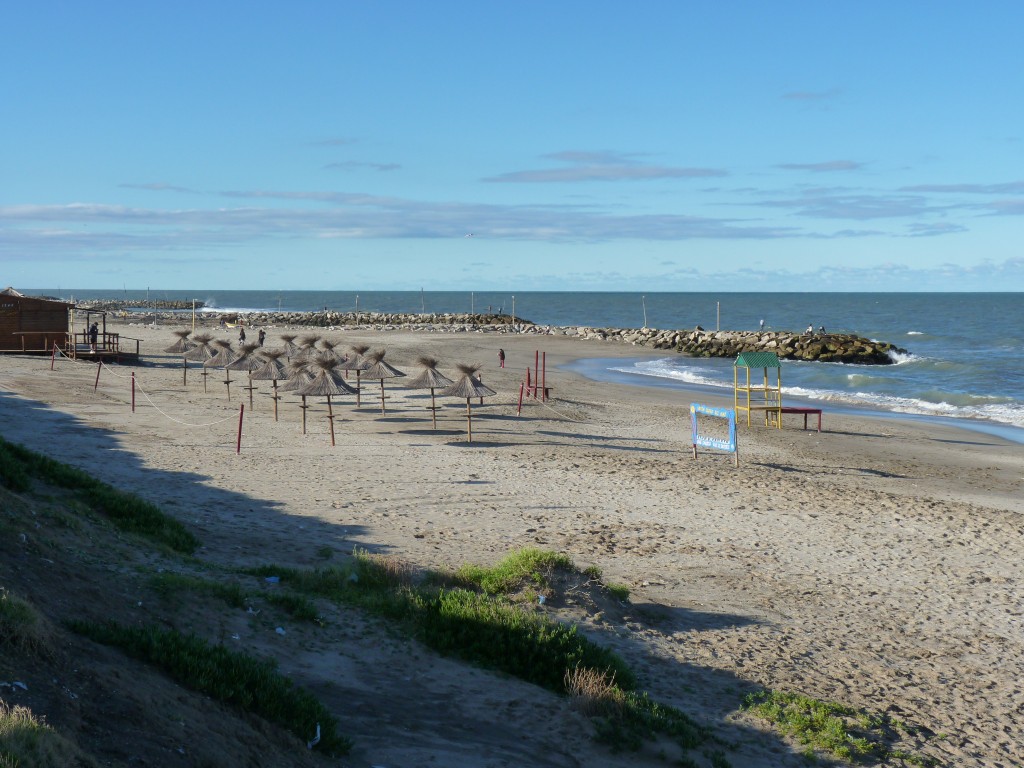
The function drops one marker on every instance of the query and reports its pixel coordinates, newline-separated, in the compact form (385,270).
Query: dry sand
(877,563)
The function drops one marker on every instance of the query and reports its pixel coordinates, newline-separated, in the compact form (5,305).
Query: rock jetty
(828,347)
(119,304)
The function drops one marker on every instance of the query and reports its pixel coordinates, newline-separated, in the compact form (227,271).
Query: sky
(536,145)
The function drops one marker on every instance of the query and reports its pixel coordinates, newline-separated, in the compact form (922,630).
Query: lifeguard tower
(764,396)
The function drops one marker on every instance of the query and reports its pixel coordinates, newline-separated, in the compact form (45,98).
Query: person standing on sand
(241,335)
(94,333)
(761,327)
(262,337)
(501,358)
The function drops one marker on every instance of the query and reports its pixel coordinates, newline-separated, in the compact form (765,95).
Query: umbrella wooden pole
(330,418)
(184,372)
(481,379)
(433,409)
(250,388)
(469,420)
(227,382)
(358,389)
(275,396)
(205,374)
(303,406)
(383,409)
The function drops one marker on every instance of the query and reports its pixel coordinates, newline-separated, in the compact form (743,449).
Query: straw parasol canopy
(180,347)
(328,350)
(247,361)
(430,378)
(326,383)
(355,361)
(307,346)
(272,370)
(201,351)
(289,344)
(225,355)
(468,387)
(380,369)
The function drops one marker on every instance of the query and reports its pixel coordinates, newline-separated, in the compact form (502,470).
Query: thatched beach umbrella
(355,361)
(298,377)
(328,349)
(468,387)
(180,347)
(247,361)
(431,379)
(380,369)
(288,342)
(202,351)
(225,355)
(272,370)
(326,383)
(307,347)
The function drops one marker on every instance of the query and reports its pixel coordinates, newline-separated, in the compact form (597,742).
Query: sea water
(963,356)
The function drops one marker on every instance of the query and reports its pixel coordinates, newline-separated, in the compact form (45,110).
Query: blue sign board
(717,443)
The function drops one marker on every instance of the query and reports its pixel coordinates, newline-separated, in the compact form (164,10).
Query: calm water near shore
(963,357)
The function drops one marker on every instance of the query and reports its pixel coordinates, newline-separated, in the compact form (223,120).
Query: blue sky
(678,146)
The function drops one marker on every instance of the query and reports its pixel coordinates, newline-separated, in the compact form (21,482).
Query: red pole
(99,365)
(133,391)
(241,412)
(544,375)
(536,372)
(53,355)
(520,411)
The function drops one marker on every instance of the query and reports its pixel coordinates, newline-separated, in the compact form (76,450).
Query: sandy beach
(876,563)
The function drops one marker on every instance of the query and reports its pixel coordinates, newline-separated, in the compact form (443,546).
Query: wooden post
(241,412)
(99,366)
(382,407)
(520,411)
(433,409)
(184,371)
(275,396)
(469,420)
(133,391)
(330,416)
(303,407)
(358,385)
(53,354)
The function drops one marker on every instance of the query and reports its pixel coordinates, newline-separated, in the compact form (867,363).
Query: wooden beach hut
(32,323)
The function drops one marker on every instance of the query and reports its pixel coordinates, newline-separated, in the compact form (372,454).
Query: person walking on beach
(241,335)
(501,358)
(761,327)
(262,337)
(94,333)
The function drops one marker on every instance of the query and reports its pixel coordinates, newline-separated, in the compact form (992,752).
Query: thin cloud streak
(601,166)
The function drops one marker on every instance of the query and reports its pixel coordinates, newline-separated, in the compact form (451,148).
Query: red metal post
(53,354)
(520,411)
(536,372)
(241,412)
(543,375)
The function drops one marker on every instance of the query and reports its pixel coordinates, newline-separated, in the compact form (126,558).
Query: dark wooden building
(31,323)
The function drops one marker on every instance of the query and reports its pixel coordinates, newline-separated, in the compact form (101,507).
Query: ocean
(963,361)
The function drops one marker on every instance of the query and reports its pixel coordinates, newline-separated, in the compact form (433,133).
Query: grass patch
(27,742)
(470,615)
(22,627)
(19,466)
(837,730)
(251,684)
(526,568)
